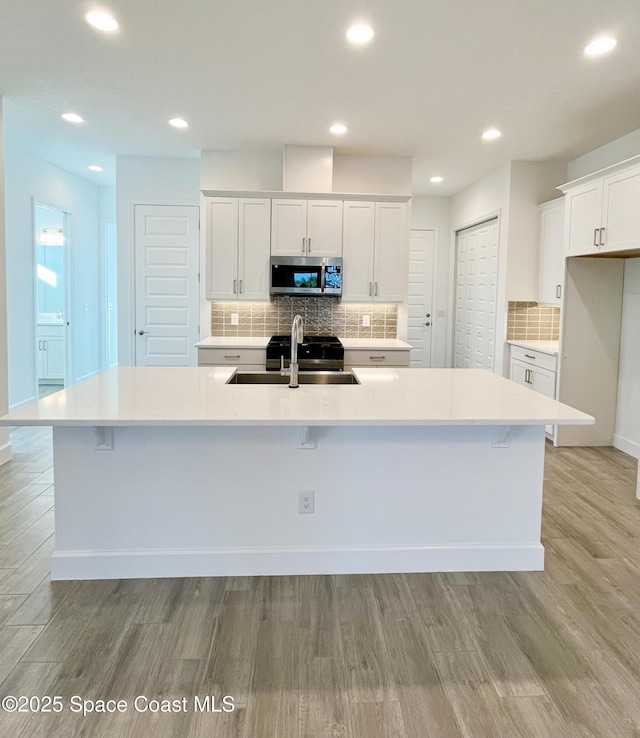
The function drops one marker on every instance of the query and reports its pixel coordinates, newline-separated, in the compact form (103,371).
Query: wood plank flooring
(536,654)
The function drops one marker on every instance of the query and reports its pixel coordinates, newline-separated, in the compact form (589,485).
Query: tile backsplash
(532,322)
(321,315)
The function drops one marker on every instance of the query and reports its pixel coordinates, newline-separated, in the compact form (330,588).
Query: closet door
(476,296)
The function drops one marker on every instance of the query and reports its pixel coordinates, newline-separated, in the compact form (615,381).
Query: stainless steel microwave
(313,276)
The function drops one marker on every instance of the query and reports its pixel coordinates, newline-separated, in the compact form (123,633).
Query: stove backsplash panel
(321,315)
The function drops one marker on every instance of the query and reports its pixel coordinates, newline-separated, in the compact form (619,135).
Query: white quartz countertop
(546,347)
(192,396)
(261,342)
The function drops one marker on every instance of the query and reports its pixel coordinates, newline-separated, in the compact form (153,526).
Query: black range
(315,353)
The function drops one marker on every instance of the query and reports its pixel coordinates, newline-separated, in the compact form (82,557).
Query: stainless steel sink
(303,378)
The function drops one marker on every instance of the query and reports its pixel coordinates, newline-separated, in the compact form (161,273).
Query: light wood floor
(553,653)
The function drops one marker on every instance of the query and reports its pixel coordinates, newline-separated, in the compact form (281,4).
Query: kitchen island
(175,472)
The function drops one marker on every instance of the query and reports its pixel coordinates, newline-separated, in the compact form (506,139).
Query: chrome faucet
(297,336)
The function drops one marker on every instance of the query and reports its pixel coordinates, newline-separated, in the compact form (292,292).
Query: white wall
(435,213)
(144,180)
(627,430)
(29,178)
(611,153)
(241,170)
(5,446)
(379,175)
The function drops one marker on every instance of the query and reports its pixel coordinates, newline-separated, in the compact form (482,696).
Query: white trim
(290,195)
(294,561)
(6,453)
(28,401)
(90,374)
(624,444)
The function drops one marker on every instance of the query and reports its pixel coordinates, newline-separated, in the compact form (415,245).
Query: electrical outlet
(366,321)
(234,318)
(306,502)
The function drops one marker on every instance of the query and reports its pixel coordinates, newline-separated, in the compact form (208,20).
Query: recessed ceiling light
(73,118)
(600,46)
(95,168)
(360,34)
(178,123)
(491,133)
(101,20)
(338,128)
(435,180)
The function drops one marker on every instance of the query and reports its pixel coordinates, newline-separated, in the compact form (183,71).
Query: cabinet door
(324,228)
(583,219)
(621,211)
(390,252)
(254,241)
(551,224)
(519,372)
(222,248)
(357,251)
(543,381)
(53,356)
(288,227)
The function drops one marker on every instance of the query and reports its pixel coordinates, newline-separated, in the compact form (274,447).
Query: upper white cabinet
(551,233)
(603,213)
(306,227)
(238,239)
(375,240)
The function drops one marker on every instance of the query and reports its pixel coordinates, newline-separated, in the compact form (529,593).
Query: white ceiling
(256,74)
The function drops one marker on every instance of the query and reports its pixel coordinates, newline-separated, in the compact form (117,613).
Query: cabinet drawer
(537,358)
(231,357)
(375,357)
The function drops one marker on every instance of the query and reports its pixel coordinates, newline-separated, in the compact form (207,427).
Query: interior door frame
(69,300)
(164,202)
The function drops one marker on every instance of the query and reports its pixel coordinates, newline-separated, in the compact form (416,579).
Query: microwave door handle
(323,277)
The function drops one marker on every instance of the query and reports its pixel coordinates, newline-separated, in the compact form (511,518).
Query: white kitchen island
(164,472)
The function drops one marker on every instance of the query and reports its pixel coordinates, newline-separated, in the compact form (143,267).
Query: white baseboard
(5,453)
(294,561)
(624,444)
(16,405)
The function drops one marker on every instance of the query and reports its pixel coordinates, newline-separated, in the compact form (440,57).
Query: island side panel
(217,501)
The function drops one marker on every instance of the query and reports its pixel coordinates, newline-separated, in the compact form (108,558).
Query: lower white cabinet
(376,357)
(246,359)
(536,370)
(50,352)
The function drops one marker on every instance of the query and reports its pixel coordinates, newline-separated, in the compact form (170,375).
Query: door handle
(370,289)
(601,239)
(240,287)
(595,236)
(375,292)
(303,240)
(558,291)
(309,245)
(141,333)
(44,345)
(428,323)
(235,284)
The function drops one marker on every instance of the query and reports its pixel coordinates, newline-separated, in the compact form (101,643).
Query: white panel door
(166,283)
(390,252)
(621,211)
(583,219)
(254,243)
(476,296)
(222,248)
(420,296)
(288,227)
(324,228)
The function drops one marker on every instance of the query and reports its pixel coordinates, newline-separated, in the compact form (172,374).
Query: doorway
(52,299)
(420,332)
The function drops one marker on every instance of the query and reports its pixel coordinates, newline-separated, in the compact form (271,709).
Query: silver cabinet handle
(44,345)
(601,239)
(595,236)
(39,345)
(303,240)
(235,282)
(558,291)
(526,376)
(240,287)
(375,292)
(232,356)
(370,289)
(309,245)
(377,358)
(529,356)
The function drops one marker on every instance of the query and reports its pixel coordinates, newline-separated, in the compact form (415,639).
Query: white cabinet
(375,357)
(246,359)
(238,240)
(536,370)
(50,348)
(306,227)
(603,213)
(375,242)
(551,231)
